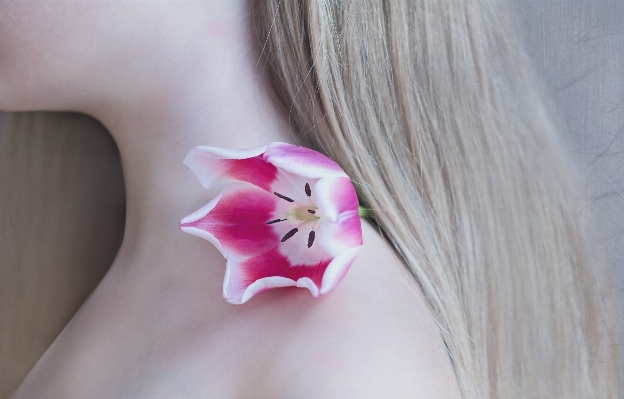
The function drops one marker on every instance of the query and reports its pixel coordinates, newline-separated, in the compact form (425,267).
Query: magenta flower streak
(288,217)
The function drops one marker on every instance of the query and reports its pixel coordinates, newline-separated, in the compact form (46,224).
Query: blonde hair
(430,107)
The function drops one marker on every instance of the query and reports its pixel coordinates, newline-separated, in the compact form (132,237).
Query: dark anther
(289,234)
(312,211)
(275,221)
(311,238)
(283,197)
(308,191)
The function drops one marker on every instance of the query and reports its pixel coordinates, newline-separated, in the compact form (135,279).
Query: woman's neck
(211,95)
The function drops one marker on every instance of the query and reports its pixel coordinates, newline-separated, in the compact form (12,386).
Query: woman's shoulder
(372,337)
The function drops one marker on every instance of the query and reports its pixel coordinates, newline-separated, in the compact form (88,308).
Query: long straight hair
(430,106)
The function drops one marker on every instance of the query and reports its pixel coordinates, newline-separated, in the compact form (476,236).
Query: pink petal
(301,161)
(235,221)
(211,164)
(187,224)
(335,195)
(341,235)
(248,277)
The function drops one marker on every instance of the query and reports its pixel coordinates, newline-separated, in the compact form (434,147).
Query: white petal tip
(305,282)
(337,269)
(267,283)
(262,285)
(206,236)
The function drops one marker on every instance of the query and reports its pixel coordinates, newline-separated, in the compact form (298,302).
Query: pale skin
(163,78)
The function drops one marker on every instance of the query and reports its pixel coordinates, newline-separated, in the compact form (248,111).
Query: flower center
(304,214)
(299,215)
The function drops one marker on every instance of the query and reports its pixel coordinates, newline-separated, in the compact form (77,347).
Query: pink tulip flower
(288,216)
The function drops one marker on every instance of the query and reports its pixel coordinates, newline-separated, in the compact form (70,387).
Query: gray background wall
(577,47)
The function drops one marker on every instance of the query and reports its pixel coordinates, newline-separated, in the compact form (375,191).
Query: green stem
(365,213)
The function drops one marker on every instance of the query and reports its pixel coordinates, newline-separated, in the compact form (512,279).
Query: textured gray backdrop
(577,47)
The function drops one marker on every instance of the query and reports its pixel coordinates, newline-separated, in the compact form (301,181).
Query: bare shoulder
(372,337)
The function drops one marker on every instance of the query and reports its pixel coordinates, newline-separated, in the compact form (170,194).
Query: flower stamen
(312,211)
(311,238)
(276,220)
(289,234)
(307,190)
(283,197)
